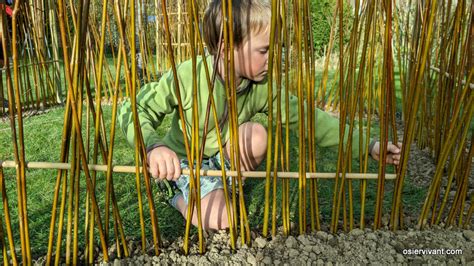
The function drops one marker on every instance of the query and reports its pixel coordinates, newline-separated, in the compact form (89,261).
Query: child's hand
(393,152)
(164,163)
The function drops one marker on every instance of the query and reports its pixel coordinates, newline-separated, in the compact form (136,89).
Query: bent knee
(257,135)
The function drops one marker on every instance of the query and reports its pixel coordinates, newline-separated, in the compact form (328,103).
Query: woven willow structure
(55,54)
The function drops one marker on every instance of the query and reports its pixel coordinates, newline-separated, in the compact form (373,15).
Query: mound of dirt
(433,246)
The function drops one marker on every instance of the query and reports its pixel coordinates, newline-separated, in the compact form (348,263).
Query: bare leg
(252,145)
(213,210)
(253,149)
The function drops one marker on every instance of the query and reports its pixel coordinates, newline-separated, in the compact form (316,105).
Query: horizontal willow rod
(249,174)
(3,69)
(463,82)
(449,76)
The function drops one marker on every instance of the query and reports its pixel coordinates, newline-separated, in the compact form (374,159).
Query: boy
(251,28)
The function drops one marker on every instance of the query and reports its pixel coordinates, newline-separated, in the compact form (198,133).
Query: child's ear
(221,49)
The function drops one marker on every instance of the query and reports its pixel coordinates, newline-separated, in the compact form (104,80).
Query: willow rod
(180,110)
(197,159)
(139,142)
(247,174)
(19,144)
(6,213)
(270,119)
(231,96)
(211,105)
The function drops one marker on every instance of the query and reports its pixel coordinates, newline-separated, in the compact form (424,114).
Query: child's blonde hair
(250,16)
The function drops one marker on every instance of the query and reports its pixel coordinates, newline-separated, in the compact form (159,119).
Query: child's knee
(257,136)
(259,140)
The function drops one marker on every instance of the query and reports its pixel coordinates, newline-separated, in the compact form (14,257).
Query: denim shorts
(208,183)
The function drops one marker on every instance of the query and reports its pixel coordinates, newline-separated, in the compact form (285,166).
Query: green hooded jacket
(157,99)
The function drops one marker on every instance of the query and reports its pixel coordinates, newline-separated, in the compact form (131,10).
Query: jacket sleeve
(326,126)
(154,101)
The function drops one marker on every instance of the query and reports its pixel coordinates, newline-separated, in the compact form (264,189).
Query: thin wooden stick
(246,174)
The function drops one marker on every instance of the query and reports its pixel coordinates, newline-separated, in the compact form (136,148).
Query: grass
(42,142)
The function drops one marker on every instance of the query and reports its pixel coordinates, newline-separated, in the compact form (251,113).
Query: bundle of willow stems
(434,62)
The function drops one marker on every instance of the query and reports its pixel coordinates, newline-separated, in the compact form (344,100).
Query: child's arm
(327,130)
(154,101)
(326,126)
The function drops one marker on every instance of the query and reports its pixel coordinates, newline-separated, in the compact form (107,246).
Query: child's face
(251,58)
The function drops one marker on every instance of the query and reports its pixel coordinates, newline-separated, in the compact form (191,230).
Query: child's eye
(264,51)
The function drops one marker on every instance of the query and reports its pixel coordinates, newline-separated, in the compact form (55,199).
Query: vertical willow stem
(6,213)
(139,145)
(196,158)
(270,116)
(19,151)
(181,114)
(339,188)
(410,123)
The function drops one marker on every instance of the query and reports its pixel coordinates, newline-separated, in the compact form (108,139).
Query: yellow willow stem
(447,146)
(74,171)
(6,213)
(78,131)
(196,158)
(301,125)
(457,159)
(76,220)
(109,179)
(119,19)
(98,99)
(19,151)
(211,105)
(271,52)
(14,137)
(139,145)
(459,200)
(339,188)
(3,245)
(408,136)
(310,87)
(286,183)
(61,219)
(351,108)
(232,99)
(278,133)
(181,113)
(385,111)
(233,137)
(363,154)
(470,212)
(461,193)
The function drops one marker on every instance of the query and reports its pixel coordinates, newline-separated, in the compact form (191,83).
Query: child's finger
(393,148)
(177,168)
(153,170)
(170,170)
(161,169)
